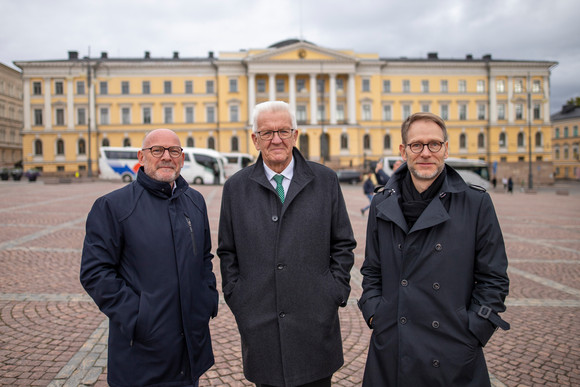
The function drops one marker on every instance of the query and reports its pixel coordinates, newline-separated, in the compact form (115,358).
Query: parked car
(351,176)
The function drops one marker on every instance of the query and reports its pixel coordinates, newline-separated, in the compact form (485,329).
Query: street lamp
(530,182)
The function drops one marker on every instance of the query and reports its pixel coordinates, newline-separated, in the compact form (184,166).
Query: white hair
(272,106)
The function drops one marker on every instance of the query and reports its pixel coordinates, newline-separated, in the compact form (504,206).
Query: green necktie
(279,187)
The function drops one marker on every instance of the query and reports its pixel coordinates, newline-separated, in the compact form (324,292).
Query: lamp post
(89,161)
(530,182)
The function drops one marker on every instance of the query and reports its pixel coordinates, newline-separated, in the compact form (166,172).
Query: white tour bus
(201,166)
(236,161)
(473,171)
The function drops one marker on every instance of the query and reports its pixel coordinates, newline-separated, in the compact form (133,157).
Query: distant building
(349,105)
(566,142)
(10,117)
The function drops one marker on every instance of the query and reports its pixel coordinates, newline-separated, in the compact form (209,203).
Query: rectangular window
(481,111)
(37,116)
(425,108)
(444,85)
(366,112)
(104,116)
(340,113)
(81,116)
(424,86)
(301,114)
(146,87)
(536,86)
(261,85)
(104,87)
(233,85)
(366,85)
(80,87)
(167,87)
(58,88)
(60,116)
(406,111)
(501,111)
(36,88)
(188,87)
(125,115)
(124,87)
(519,111)
(518,86)
(500,86)
(168,115)
(339,84)
(146,115)
(462,86)
(320,85)
(300,84)
(406,86)
(387,113)
(209,87)
(481,86)
(386,86)
(462,112)
(537,111)
(234,113)
(321,113)
(445,112)
(279,85)
(210,114)
(189,114)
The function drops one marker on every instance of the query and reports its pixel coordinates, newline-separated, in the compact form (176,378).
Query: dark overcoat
(146,262)
(424,285)
(285,270)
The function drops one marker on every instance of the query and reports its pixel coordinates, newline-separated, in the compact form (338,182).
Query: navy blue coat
(421,284)
(146,263)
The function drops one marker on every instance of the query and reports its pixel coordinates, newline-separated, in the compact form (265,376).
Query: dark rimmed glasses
(433,146)
(267,135)
(158,151)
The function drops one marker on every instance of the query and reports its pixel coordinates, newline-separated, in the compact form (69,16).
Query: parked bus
(236,161)
(201,166)
(473,171)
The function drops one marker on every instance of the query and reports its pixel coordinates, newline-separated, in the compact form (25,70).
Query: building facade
(566,143)
(349,105)
(10,117)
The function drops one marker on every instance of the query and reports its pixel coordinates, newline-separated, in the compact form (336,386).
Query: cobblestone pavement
(52,334)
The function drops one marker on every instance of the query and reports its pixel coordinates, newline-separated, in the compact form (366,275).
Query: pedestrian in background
(146,262)
(368,189)
(435,270)
(510,185)
(286,249)
(380,174)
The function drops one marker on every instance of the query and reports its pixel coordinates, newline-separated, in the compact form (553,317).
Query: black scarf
(413,203)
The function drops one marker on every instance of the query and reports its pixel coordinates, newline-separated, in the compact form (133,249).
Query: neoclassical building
(349,105)
(566,142)
(10,117)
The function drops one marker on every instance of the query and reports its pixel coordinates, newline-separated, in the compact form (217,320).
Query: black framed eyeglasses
(158,151)
(433,146)
(267,135)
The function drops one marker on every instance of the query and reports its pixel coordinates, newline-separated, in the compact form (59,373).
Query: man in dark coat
(147,264)
(285,252)
(435,270)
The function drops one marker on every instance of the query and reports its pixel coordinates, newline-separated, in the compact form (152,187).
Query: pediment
(301,52)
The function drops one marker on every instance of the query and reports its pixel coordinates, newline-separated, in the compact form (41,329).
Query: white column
(332,98)
(92,107)
(272,86)
(492,101)
(47,105)
(251,96)
(510,104)
(313,104)
(292,91)
(70,107)
(547,101)
(26,104)
(350,100)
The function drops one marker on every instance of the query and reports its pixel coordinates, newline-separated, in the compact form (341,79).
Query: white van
(203,166)
(236,161)
(118,163)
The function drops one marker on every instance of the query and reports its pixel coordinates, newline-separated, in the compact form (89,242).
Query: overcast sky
(506,29)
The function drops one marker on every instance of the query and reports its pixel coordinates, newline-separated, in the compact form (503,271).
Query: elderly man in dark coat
(286,252)
(435,270)
(146,262)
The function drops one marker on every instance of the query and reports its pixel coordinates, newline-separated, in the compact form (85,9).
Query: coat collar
(159,188)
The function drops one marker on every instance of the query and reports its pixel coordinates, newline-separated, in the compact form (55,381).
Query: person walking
(368,190)
(435,270)
(285,245)
(146,262)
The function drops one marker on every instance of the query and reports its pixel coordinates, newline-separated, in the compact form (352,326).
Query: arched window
(211,143)
(344,141)
(521,139)
(234,143)
(105,142)
(539,139)
(557,153)
(60,147)
(37,147)
(566,152)
(462,141)
(367,141)
(126,142)
(82,149)
(387,142)
(502,140)
(481,141)
(189,142)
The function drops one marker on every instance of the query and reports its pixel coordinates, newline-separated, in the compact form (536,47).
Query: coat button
(400,246)
(280,266)
(274,218)
(282,314)
(438,247)
(435,324)
(442,195)
(436,286)
(435,363)
(404,282)
(403,320)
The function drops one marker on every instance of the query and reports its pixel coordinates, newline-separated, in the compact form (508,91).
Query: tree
(573,101)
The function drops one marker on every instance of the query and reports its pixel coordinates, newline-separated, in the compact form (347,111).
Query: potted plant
(4,174)
(32,174)
(17,174)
